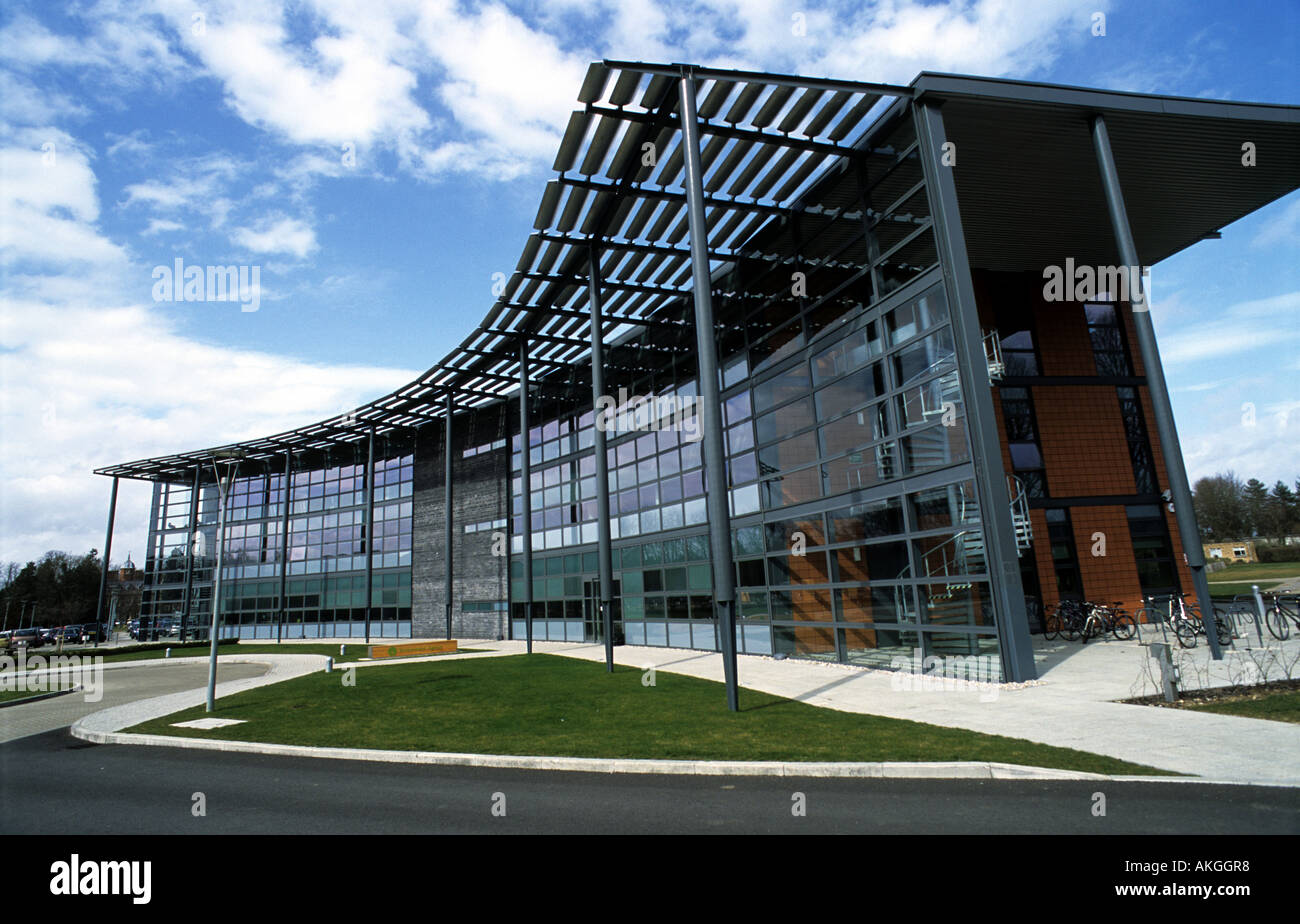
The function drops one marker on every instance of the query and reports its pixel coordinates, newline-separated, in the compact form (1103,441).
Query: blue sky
(379,160)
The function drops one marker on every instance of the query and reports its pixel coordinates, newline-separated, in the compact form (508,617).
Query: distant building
(1232,550)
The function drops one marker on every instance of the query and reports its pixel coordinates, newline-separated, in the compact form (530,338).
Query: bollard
(1168,674)
(167,653)
(329,665)
(343,649)
(1260,613)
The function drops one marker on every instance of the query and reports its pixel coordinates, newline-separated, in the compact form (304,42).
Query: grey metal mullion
(604,554)
(191,535)
(370,532)
(447,537)
(982,429)
(526,488)
(285,495)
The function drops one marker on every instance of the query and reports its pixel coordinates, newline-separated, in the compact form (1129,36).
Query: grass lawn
(546,704)
(1277,700)
(1237,577)
(6,695)
(1280,707)
(1226,591)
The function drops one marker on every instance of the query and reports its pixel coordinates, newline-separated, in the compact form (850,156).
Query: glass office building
(911,439)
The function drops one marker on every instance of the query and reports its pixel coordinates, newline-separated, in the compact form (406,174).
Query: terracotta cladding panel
(1112,576)
(1002,429)
(1063,339)
(1043,558)
(1084,445)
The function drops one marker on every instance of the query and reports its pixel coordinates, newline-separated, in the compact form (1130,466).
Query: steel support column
(370,529)
(1175,471)
(192,534)
(525,489)
(446,503)
(103,571)
(223,492)
(990,477)
(604,554)
(286,495)
(710,409)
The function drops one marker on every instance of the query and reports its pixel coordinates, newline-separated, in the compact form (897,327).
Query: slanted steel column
(103,571)
(1175,471)
(990,478)
(446,503)
(286,493)
(604,555)
(189,552)
(223,492)
(370,529)
(525,487)
(710,410)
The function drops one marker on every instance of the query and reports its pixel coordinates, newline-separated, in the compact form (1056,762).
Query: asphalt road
(54,784)
(120,685)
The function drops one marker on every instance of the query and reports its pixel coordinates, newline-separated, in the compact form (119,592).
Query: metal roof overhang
(1027,182)
(1029,187)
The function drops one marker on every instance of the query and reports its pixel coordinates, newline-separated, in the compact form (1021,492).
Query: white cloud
(161,225)
(1267,323)
(1282,228)
(279,234)
(91,378)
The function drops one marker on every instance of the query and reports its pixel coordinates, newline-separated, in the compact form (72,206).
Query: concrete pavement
(1071,706)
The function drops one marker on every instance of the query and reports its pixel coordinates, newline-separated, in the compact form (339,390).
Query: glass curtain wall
(856,528)
(326,580)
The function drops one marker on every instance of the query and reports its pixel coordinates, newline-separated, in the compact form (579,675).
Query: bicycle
(1278,617)
(1113,619)
(1188,624)
(1066,619)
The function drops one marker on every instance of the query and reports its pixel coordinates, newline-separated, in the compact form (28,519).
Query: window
(1139,447)
(1152,550)
(1107,339)
(1065,560)
(1015,324)
(1022,440)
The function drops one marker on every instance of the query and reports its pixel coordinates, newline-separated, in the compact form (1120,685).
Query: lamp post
(231,456)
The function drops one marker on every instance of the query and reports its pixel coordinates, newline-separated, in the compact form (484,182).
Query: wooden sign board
(412,649)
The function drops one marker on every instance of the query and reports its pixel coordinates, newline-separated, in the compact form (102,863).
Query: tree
(1255,497)
(1283,516)
(1219,507)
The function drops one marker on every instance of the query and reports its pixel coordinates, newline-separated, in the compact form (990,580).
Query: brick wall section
(1112,576)
(1084,445)
(1042,552)
(1082,435)
(1063,340)
(1162,481)
(479,493)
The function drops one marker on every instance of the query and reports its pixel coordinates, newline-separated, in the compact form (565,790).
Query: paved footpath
(1071,706)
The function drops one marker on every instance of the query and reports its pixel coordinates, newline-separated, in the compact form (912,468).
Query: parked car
(91,629)
(67,634)
(29,638)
